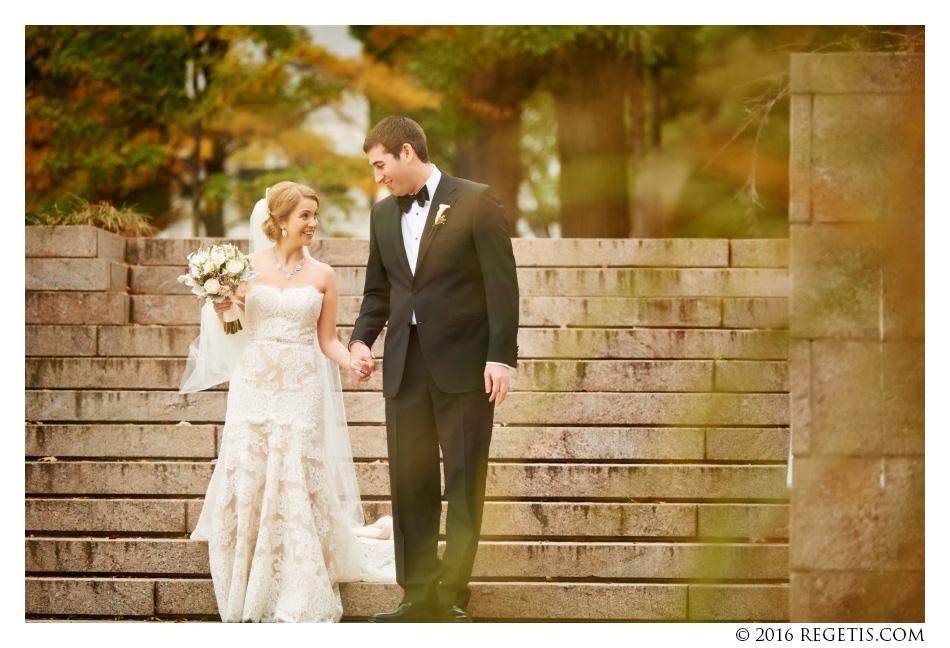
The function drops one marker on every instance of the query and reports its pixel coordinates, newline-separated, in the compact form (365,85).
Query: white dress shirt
(414,221)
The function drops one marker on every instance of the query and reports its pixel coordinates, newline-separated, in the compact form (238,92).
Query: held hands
(497,383)
(362,361)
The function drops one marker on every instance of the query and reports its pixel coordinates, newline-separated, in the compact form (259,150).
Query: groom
(442,273)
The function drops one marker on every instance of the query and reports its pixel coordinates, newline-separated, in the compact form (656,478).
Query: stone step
(558,281)
(173,251)
(518,519)
(369,442)
(534,311)
(58,340)
(519,408)
(76,274)
(711,253)
(495,559)
(584,343)
(758,253)
(620,520)
(169,441)
(666,482)
(583,252)
(78,241)
(76,308)
(532,375)
(755,312)
(146,597)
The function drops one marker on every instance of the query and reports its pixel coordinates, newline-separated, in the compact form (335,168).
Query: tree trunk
(637,115)
(196,181)
(648,219)
(492,154)
(213,213)
(208,48)
(592,141)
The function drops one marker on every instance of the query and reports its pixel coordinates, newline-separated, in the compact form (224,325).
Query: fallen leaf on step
(48,459)
(183,423)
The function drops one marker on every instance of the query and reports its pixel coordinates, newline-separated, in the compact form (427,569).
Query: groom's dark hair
(394,131)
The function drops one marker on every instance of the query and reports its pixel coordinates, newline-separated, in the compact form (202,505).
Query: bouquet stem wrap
(232,320)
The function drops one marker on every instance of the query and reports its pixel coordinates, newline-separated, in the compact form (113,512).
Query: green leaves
(117,113)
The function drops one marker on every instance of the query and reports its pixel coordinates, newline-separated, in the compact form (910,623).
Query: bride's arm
(326,327)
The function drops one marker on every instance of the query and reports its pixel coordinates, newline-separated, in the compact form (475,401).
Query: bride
(282,515)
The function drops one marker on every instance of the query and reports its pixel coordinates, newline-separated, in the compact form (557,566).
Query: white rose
(218,256)
(234,267)
(212,286)
(241,289)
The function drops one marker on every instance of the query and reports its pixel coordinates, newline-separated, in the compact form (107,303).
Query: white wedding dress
(282,515)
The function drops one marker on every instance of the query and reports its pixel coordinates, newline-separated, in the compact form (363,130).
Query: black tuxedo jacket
(464,292)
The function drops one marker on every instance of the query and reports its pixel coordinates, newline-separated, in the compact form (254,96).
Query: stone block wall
(856,326)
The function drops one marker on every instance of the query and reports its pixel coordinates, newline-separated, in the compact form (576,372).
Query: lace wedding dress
(279,536)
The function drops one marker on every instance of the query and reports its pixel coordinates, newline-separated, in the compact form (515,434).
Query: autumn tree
(655,130)
(102,108)
(485,75)
(476,131)
(142,113)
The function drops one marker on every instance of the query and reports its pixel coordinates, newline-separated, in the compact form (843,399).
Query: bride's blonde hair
(282,199)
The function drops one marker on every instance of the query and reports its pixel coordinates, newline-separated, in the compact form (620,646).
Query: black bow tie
(405,202)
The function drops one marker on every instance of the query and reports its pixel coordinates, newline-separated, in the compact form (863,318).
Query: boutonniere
(440,215)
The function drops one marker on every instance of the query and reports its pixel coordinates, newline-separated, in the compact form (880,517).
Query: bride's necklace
(286,274)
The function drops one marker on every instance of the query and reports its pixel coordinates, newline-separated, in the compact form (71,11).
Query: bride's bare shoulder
(325,277)
(324,268)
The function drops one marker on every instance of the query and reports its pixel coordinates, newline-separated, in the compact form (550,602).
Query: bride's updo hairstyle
(282,199)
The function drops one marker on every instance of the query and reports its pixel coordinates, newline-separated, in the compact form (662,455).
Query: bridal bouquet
(218,273)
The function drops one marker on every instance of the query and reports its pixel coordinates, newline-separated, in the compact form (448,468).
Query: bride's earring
(283,232)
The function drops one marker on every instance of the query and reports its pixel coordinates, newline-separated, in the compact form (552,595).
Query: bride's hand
(222,306)
(362,362)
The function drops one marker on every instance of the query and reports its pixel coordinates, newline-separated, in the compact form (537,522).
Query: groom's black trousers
(420,419)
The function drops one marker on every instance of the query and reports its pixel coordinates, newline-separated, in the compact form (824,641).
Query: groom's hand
(362,361)
(497,382)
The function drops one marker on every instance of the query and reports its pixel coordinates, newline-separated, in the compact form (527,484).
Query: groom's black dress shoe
(455,614)
(407,613)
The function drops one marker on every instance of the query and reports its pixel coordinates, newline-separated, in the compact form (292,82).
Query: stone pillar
(856,357)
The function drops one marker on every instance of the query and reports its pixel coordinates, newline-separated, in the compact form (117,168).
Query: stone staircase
(637,469)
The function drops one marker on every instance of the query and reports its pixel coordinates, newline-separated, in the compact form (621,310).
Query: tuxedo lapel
(394,223)
(444,194)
